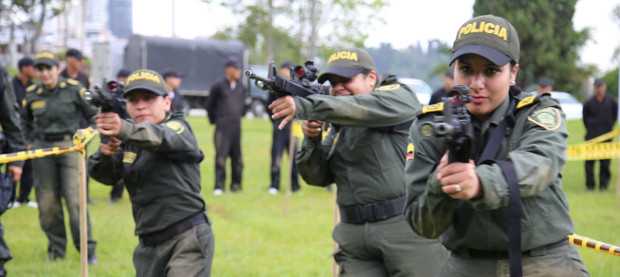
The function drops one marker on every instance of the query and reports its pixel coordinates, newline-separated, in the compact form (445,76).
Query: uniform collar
(497,116)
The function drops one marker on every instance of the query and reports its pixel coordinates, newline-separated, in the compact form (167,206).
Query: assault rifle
(455,125)
(301,84)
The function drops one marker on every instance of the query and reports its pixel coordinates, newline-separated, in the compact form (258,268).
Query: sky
(408,22)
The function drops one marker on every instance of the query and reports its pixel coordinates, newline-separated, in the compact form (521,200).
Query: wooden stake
(83,215)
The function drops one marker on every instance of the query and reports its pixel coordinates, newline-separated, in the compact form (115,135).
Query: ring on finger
(458,188)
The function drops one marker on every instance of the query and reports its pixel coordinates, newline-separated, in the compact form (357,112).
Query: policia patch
(548,118)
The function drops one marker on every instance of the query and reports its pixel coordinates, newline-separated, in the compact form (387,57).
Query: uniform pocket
(204,237)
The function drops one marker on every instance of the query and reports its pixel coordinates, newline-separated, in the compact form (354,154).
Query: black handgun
(455,125)
(108,99)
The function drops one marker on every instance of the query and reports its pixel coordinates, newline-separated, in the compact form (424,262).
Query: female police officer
(158,158)
(518,149)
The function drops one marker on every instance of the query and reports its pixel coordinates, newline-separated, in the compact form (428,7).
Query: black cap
(232,62)
(347,63)
(545,82)
(599,82)
(25,61)
(172,74)
(489,36)
(144,79)
(123,73)
(72,52)
(286,64)
(45,58)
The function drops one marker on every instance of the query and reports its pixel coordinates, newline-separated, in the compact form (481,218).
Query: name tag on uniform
(129,157)
(39,104)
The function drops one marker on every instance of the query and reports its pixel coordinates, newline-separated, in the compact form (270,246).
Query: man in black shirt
(599,117)
(225,107)
(21,81)
(173,81)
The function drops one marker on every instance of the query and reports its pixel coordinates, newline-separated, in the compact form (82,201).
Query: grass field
(262,235)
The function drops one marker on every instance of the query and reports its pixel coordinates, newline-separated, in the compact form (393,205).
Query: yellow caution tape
(604,137)
(593,151)
(296,130)
(80,141)
(594,244)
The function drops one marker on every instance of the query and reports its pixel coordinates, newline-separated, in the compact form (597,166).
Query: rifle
(303,82)
(454,125)
(108,100)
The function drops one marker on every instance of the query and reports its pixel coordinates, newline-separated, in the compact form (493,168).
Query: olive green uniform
(473,230)
(52,116)
(160,166)
(364,154)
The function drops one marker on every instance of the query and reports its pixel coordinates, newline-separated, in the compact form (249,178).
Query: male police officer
(9,121)
(157,156)
(364,154)
(53,109)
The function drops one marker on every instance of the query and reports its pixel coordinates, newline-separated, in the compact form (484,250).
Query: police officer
(600,113)
(545,85)
(281,141)
(157,156)
(518,150)
(225,106)
(74,69)
(364,154)
(22,80)
(10,123)
(53,109)
(448,82)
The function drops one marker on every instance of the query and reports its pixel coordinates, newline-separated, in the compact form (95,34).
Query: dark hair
(25,61)
(72,52)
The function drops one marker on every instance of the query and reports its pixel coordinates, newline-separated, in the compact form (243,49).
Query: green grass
(257,234)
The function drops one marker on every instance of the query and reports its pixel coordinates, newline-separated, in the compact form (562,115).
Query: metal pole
(335,267)
(83,215)
(618,179)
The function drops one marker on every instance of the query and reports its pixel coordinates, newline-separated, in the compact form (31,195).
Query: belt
(56,137)
(499,255)
(155,238)
(372,212)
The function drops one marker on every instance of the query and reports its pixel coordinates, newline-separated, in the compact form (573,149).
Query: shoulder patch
(526,101)
(438,107)
(37,104)
(31,88)
(391,87)
(129,157)
(175,126)
(548,118)
(72,82)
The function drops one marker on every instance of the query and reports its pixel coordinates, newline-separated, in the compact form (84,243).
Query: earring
(512,83)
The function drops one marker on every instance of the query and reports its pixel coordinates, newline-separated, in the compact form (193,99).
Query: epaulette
(527,101)
(31,88)
(390,87)
(72,82)
(438,107)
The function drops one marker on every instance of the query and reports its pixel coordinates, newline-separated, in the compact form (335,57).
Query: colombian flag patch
(410,152)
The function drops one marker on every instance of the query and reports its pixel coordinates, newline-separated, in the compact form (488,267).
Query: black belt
(158,237)
(56,137)
(372,212)
(499,255)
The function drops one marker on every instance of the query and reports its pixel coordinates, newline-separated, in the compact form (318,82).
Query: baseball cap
(347,63)
(145,79)
(123,73)
(72,52)
(232,62)
(599,82)
(489,36)
(173,74)
(25,61)
(45,58)
(545,82)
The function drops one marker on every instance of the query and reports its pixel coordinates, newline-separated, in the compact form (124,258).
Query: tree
(29,16)
(549,44)
(295,29)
